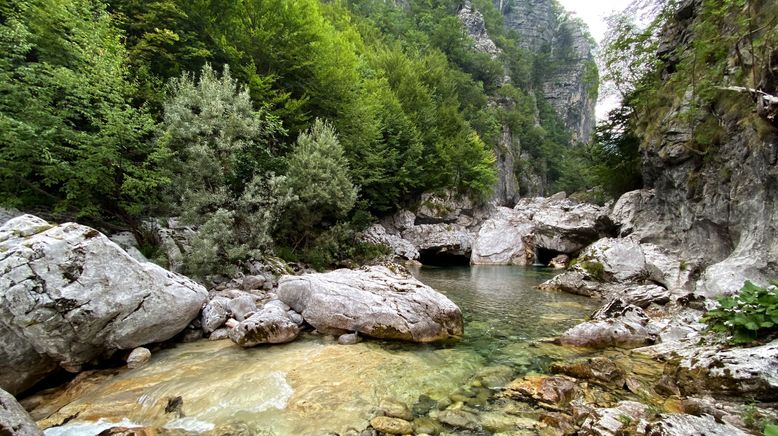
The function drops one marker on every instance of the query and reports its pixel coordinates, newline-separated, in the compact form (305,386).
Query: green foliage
(70,138)
(771,430)
(750,315)
(317,176)
(223,154)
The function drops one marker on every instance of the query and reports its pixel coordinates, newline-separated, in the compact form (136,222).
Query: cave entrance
(444,257)
(543,256)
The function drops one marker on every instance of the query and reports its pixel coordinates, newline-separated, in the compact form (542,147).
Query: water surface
(314,385)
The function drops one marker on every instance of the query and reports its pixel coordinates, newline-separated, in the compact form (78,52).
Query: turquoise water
(315,386)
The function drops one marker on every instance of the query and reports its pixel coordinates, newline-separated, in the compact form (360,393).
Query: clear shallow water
(313,385)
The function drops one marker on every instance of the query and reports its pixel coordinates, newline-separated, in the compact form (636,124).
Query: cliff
(710,154)
(562,45)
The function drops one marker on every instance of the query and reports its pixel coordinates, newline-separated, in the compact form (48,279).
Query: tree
(70,139)
(223,162)
(317,176)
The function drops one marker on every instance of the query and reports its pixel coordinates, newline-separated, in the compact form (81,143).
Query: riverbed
(315,386)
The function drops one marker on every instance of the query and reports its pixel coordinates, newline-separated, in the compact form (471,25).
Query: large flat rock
(70,296)
(374,301)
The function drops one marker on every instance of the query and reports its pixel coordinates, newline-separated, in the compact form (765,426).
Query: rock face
(678,424)
(375,302)
(500,239)
(14,420)
(68,296)
(570,87)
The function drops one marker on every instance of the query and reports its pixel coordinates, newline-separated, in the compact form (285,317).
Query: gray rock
(452,238)
(239,308)
(59,295)
(270,325)
(138,357)
(295,317)
(615,420)
(127,241)
(250,283)
(475,26)
(7,214)
(566,226)
(214,314)
(578,282)
(500,239)
(220,334)
(374,301)
(622,259)
(665,268)
(377,234)
(14,420)
(348,339)
(442,207)
(395,409)
(678,424)
(460,419)
(626,329)
(388,425)
(740,372)
(728,276)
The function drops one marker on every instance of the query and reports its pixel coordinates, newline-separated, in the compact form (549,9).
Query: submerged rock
(386,424)
(599,369)
(373,301)
(68,296)
(14,420)
(348,339)
(553,390)
(270,325)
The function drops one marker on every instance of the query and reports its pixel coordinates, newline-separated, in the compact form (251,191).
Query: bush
(748,316)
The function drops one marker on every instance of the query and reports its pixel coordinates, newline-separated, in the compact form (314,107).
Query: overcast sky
(593,12)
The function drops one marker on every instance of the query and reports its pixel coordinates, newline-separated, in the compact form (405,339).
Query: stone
(14,420)
(374,301)
(577,281)
(565,226)
(599,369)
(562,422)
(435,238)
(665,268)
(7,214)
(395,409)
(460,419)
(219,334)
(214,315)
(560,261)
(377,234)
(622,419)
(475,26)
(250,283)
(729,276)
(390,425)
(678,424)
(231,323)
(741,372)
(126,240)
(557,390)
(442,207)
(625,329)
(622,259)
(348,339)
(60,297)
(241,307)
(138,357)
(500,239)
(270,325)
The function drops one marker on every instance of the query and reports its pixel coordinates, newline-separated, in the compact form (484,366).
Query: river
(315,386)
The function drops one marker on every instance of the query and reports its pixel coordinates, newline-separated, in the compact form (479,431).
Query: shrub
(748,316)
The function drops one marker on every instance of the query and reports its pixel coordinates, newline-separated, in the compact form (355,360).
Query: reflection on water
(315,385)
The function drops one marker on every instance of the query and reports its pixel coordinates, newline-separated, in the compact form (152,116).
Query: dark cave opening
(543,256)
(444,257)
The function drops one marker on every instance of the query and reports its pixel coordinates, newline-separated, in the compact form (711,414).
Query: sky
(593,12)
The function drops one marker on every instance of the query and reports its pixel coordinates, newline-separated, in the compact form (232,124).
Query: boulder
(679,424)
(7,214)
(622,419)
(599,369)
(452,238)
(138,357)
(577,281)
(564,225)
(241,307)
(377,234)
(374,301)
(627,329)
(214,314)
(665,268)
(622,259)
(270,325)
(556,390)
(728,276)
(71,296)
(736,372)
(14,420)
(460,419)
(499,241)
(442,207)
(348,339)
(250,283)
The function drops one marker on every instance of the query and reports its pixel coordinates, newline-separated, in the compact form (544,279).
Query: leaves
(748,315)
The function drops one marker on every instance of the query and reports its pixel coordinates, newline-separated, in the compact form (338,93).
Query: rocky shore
(658,372)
